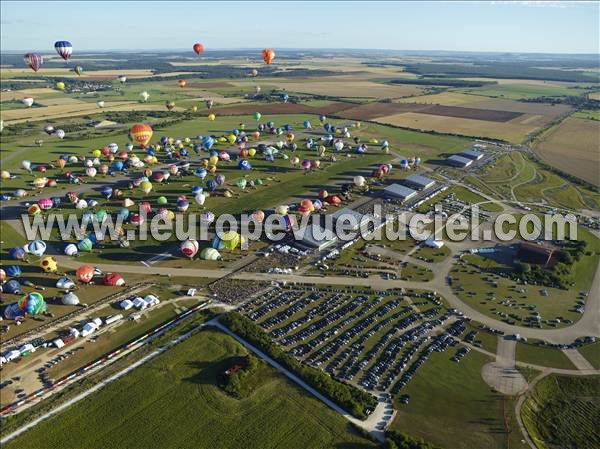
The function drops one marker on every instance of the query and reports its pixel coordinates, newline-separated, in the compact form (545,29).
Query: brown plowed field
(375,110)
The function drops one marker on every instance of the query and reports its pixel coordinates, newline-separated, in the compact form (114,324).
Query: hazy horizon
(481,27)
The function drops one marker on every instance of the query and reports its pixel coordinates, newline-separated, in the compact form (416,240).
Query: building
(350,217)
(399,191)
(534,254)
(471,154)
(459,161)
(418,182)
(315,236)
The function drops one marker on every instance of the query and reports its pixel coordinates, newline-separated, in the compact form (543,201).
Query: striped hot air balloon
(64,49)
(141,134)
(34,61)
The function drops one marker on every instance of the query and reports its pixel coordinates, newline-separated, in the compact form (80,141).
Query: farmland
(572,146)
(180,387)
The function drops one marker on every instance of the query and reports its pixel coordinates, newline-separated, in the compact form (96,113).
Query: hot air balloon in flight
(209,104)
(144,96)
(181,83)
(141,134)
(60,85)
(170,105)
(27,101)
(33,61)
(212,117)
(268,55)
(64,49)
(122,79)
(253,72)
(78,69)
(198,48)
(100,103)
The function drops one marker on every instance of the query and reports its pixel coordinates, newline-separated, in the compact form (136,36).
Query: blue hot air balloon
(197,148)
(306,124)
(196,190)
(64,49)
(13,271)
(208,142)
(164,140)
(201,173)
(12,287)
(244,165)
(56,201)
(106,192)
(123,213)
(16,253)
(117,166)
(211,185)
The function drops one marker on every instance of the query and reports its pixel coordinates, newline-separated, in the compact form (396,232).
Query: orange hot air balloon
(198,48)
(141,134)
(85,273)
(181,83)
(268,55)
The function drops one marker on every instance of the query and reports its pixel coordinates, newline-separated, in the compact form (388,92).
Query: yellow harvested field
(513,131)
(58,101)
(344,87)
(444,98)
(524,81)
(18,94)
(573,146)
(595,96)
(73,110)
(68,73)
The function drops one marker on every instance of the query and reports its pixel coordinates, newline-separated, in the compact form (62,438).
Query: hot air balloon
(282,209)
(113,280)
(78,69)
(226,240)
(27,101)
(5,174)
(85,245)
(13,271)
(253,72)
(60,85)
(189,248)
(141,134)
(122,78)
(34,61)
(71,249)
(359,181)
(64,49)
(100,103)
(32,304)
(181,83)
(85,273)
(70,299)
(285,98)
(48,264)
(256,116)
(200,198)
(144,96)
(212,117)
(241,183)
(256,89)
(170,105)
(49,129)
(209,104)
(198,48)
(210,254)
(206,218)
(268,55)
(244,165)
(59,133)
(146,187)
(45,203)
(37,248)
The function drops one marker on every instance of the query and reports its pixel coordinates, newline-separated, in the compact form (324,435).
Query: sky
(546,27)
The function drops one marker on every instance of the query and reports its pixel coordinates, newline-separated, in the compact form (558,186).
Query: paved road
(502,374)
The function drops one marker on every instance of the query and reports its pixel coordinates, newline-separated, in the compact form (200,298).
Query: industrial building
(315,236)
(418,182)
(347,213)
(471,154)
(399,191)
(459,161)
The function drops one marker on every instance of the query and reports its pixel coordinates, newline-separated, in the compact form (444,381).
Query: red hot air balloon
(34,61)
(268,55)
(198,48)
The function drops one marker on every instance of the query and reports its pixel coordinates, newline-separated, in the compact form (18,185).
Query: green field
(173,402)
(562,412)
(537,355)
(449,399)
(523,91)
(592,353)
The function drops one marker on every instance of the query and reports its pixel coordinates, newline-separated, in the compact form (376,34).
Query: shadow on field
(213,373)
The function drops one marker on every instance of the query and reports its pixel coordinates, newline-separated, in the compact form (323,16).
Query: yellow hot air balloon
(213,160)
(96,153)
(194,109)
(204,163)
(251,152)
(231,138)
(5,174)
(212,169)
(60,163)
(48,264)
(141,134)
(60,85)
(146,186)
(212,117)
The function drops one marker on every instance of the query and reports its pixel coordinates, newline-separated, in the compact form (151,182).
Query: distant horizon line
(232,49)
